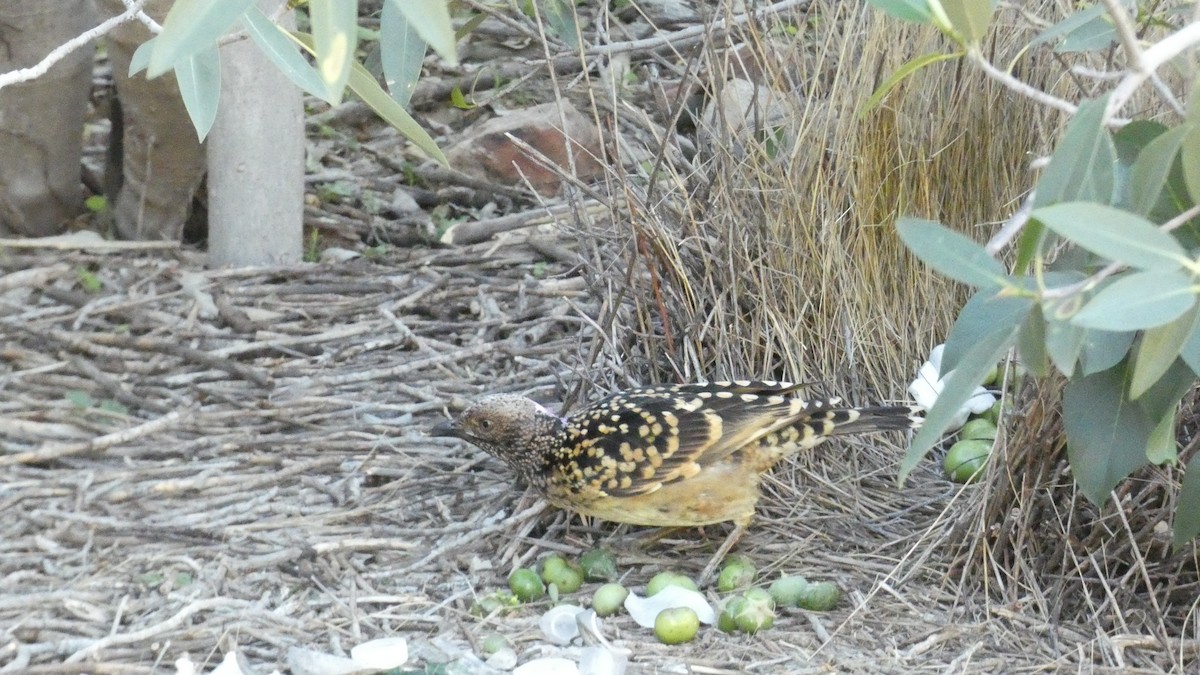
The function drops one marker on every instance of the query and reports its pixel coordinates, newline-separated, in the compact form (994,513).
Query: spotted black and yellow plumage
(674,455)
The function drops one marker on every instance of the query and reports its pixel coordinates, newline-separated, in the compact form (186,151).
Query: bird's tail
(841,421)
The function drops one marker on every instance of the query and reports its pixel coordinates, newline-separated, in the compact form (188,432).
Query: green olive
(979,428)
(965,460)
(676,625)
(727,621)
(757,613)
(663,579)
(609,598)
(567,578)
(598,565)
(526,585)
(551,564)
(786,591)
(821,596)
(738,573)
(494,643)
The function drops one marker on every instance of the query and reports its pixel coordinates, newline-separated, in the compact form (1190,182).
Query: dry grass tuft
(1047,546)
(776,255)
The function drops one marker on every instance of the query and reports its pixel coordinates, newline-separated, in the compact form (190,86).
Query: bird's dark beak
(447,428)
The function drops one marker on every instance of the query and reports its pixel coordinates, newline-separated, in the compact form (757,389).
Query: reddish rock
(487,151)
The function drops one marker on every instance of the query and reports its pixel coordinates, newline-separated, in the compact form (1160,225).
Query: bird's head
(508,426)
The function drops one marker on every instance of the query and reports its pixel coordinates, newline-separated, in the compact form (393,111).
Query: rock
(487,151)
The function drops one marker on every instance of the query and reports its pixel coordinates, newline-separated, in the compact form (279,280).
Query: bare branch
(1154,56)
(132,11)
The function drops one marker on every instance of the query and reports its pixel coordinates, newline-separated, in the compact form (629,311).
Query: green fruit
(598,565)
(609,598)
(992,376)
(758,596)
(526,585)
(757,612)
(726,623)
(494,643)
(965,460)
(566,579)
(551,565)
(663,579)
(738,573)
(820,597)
(978,429)
(494,602)
(676,625)
(786,591)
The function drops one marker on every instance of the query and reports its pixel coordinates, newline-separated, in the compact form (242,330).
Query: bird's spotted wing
(637,441)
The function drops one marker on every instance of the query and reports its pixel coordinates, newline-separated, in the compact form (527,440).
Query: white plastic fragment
(645,610)
(600,657)
(503,659)
(559,625)
(384,653)
(551,665)
(599,660)
(229,665)
(930,382)
(303,661)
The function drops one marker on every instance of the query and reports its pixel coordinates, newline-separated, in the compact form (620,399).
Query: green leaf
(458,100)
(199,79)
(335,39)
(1031,342)
(1187,513)
(1068,25)
(1103,349)
(1163,397)
(141,56)
(1132,138)
(280,47)
(1064,343)
(1152,168)
(1031,241)
(986,313)
(1160,447)
(1189,154)
(905,10)
(970,18)
(431,20)
(1093,36)
(364,85)
(402,50)
(191,26)
(1157,351)
(560,21)
(1138,300)
(973,367)
(1190,352)
(1115,234)
(951,253)
(905,70)
(1106,435)
(1081,168)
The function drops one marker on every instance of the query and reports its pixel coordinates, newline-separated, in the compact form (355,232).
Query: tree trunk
(41,122)
(256,162)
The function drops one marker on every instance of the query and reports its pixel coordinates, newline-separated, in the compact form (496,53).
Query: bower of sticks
(196,461)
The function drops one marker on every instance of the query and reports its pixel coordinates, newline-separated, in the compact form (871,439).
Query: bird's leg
(739,529)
